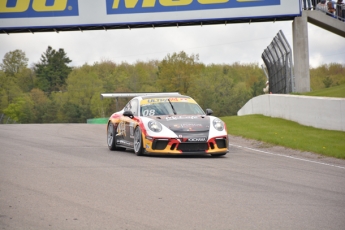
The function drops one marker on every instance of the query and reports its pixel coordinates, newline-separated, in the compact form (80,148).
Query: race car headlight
(218,124)
(155,126)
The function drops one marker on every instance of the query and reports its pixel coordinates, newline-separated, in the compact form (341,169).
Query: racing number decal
(149,112)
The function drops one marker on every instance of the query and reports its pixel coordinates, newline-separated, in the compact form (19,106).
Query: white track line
(281,155)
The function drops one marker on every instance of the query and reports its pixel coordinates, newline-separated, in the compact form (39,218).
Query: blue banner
(156,6)
(38,8)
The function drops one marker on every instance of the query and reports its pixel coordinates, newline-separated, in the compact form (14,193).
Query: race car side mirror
(209,112)
(128,113)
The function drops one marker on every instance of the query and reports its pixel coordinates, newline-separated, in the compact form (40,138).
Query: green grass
(335,91)
(289,134)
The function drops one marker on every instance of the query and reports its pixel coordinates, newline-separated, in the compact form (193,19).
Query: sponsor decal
(160,100)
(198,139)
(38,8)
(147,6)
(157,100)
(174,118)
(189,127)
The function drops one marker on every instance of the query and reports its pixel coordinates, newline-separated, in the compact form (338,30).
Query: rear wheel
(138,142)
(111,137)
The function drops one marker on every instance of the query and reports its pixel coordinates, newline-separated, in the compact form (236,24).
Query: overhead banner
(36,15)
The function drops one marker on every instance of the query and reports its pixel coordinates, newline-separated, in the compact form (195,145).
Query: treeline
(52,92)
(326,76)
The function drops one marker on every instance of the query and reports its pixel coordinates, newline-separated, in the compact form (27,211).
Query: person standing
(267,88)
(321,6)
(331,9)
(305,5)
(314,4)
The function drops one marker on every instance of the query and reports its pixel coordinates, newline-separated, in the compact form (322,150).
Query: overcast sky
(218,44)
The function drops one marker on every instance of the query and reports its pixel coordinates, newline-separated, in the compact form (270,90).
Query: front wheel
(111,138)
(138,142)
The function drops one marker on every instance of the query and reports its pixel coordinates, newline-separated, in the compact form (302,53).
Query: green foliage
(226,88)
(52,92)
(52,71)
(177,72)
(40,104)
(328,82)
(327,75)
(14,110)
(14,62)
(83,86)
(9,90)
(14,78)
(287,133)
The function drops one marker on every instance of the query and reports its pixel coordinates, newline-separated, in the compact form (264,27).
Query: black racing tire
(111,137)
(138,142)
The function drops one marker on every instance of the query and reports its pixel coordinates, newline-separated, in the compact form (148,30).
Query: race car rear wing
(116,95)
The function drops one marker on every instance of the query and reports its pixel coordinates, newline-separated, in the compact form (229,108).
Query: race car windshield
(166,108)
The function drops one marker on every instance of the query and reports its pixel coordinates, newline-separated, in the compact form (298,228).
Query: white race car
(167,124)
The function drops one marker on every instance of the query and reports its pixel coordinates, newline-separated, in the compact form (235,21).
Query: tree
(83,85)
(328,82)
(13,70)
(40,104)
(177,71)
(21,110)
(26,80)
(58,100)
(9,90)
(52,71)
(14,62)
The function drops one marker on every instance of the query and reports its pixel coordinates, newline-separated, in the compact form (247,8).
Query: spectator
(340,10)
(322,6)
(331,8)
(305,5)
(266,89)
(314,2)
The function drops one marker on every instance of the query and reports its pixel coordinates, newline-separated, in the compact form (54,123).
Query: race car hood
(186,123)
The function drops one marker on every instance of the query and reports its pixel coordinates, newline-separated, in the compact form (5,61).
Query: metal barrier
(339,10)
(278,61)
(97,120)
(6,120)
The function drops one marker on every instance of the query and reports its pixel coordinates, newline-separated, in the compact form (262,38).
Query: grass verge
(335,91)
(288,134)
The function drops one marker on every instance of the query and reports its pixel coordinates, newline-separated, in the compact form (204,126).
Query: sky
(215,44)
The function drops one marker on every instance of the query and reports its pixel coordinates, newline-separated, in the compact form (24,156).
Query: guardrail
(97,121)
(6,120)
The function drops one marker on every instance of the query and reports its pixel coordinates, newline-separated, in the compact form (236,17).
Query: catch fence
(278,64)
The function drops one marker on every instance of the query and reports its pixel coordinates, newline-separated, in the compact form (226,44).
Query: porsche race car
(166,124)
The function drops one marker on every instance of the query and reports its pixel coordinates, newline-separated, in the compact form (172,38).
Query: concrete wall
(319,112)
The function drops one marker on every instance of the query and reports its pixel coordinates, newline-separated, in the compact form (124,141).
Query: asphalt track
(62,176)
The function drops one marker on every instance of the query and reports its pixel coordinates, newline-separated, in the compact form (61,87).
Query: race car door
(129,123)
